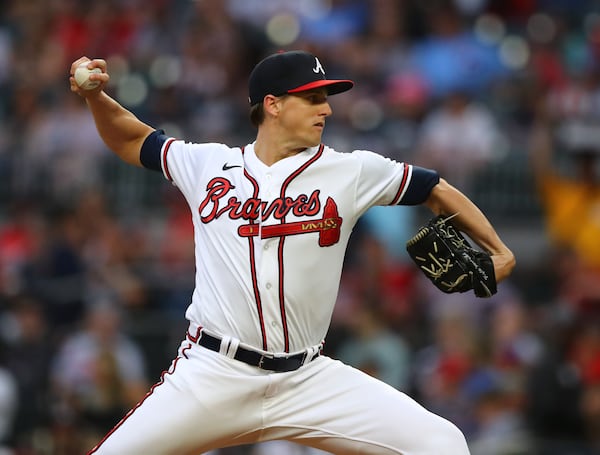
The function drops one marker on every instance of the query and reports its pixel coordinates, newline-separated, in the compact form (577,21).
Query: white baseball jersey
(270,240)
(270,243)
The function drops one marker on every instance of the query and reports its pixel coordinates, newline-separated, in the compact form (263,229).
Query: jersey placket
(269,269)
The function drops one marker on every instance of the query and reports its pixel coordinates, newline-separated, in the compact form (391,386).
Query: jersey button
(268,285)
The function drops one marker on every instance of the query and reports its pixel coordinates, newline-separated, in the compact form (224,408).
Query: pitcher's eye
(317,98)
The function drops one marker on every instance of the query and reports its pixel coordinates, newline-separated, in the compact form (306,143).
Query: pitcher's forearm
(120,129)
(445,199)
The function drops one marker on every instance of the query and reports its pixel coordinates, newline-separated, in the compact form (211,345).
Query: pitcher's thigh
(152,426)
(199,405)
(345,411)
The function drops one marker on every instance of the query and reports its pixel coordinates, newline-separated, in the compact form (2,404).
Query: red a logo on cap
(318,67)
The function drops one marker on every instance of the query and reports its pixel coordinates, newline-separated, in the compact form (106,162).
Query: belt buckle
(263,357)
(261,360)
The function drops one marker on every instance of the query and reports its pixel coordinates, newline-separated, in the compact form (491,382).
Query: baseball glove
(445,256)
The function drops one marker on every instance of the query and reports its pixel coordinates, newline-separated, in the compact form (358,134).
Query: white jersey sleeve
(380,181)
(184,163)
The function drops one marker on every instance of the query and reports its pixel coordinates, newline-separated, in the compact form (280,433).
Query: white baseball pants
(207,400)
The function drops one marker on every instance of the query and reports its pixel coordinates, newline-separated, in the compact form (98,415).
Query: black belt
(256,359)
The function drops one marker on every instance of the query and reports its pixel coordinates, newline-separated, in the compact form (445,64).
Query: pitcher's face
(303,116)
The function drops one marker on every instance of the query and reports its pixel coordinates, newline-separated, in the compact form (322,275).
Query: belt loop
(224,347)
(309,354)
(232,348)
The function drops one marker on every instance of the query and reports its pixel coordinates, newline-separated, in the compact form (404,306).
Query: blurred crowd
(502,97)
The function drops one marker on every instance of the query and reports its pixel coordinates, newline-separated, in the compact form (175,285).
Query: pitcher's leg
(337,408)
(157,425)
(201,403)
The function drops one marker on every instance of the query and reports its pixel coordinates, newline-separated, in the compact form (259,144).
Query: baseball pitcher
(272,221)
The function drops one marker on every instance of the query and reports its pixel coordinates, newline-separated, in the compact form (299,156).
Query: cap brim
(333,86)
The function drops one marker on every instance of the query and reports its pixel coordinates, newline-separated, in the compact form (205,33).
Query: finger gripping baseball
(447,259)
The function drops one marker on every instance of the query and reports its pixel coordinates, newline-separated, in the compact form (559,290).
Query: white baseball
(82,77)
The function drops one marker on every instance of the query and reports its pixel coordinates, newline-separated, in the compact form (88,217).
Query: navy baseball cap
(291,72)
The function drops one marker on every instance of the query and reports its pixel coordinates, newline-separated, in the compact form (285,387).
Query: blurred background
(502,97)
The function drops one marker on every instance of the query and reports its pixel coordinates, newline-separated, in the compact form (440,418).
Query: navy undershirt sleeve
(150,152)
(422,182)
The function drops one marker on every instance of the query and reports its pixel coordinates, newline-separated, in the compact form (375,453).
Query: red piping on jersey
(284,186)
(402,185)
(165,165)
(195,337)
(252,258)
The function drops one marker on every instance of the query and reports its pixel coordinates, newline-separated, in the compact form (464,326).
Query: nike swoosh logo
(226,166)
